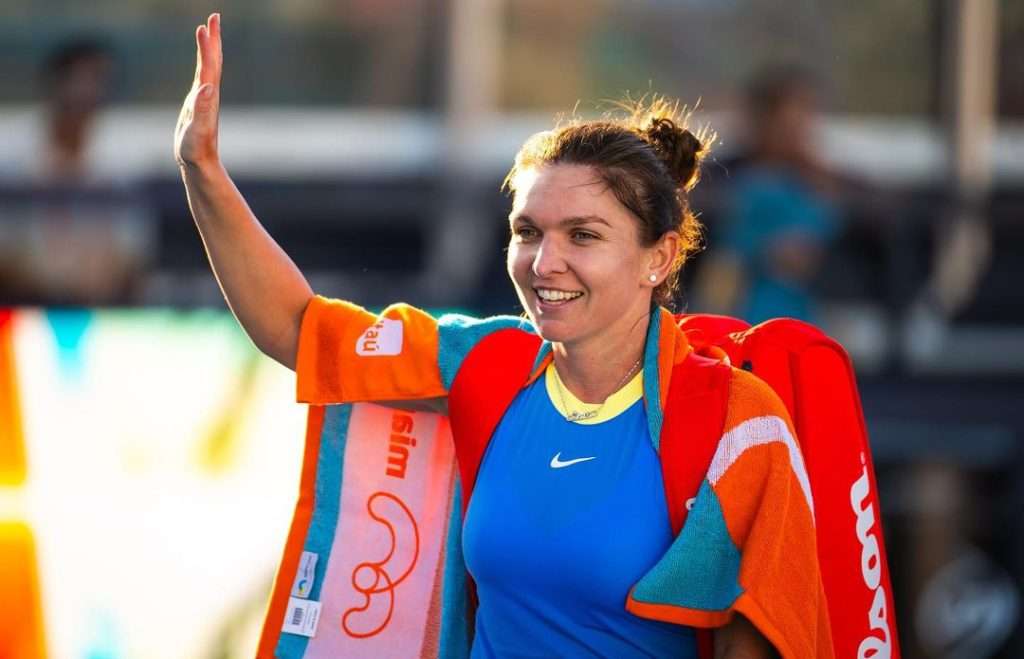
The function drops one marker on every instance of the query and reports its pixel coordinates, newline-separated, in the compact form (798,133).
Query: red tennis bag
(813,376)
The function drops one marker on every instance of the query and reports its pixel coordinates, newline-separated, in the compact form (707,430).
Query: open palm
(195,137)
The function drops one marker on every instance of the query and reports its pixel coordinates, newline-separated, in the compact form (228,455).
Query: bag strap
(695,416)
(487,382)
(698,398)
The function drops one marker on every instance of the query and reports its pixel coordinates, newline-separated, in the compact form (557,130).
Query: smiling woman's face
(575,255)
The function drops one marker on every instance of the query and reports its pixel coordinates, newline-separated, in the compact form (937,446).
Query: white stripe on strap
(754,432)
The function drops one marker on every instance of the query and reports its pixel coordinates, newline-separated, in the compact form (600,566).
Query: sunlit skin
(571,235)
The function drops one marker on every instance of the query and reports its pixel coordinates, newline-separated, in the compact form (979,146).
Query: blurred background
(868,177)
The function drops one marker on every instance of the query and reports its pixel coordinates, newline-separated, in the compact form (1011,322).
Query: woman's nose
(548,259)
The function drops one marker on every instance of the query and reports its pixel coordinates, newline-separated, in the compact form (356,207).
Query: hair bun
(677,147)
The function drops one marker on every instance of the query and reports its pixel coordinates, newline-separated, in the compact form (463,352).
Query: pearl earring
(653,278)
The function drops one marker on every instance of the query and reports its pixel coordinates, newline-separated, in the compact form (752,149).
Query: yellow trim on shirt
(617,403)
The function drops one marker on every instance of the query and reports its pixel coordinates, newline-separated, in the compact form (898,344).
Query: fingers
(213,25)
(208,52)
(199,58)
(214,56)
(195,135)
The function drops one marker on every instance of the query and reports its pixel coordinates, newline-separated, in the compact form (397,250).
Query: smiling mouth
(555,297)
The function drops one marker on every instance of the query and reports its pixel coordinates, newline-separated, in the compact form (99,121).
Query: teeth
(549,295)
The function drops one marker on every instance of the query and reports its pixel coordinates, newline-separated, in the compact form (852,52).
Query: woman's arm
(261,284)
(740,640)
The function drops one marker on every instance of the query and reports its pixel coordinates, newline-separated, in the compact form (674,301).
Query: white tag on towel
(382,339)
(305,577)
(301,617)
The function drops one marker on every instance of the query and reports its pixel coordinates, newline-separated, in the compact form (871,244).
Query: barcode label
(301,617)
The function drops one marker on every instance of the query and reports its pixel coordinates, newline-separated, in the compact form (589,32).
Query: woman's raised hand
(264,289)
(195,138)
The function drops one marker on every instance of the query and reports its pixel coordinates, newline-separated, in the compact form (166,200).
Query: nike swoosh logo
(557,463)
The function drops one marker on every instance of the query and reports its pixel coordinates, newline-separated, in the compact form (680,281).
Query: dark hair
(649,160)
(771,87)
(66,54)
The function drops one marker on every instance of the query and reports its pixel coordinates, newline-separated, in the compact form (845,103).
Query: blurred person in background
(80,236)
(781,212)
(600,229)
(77,81)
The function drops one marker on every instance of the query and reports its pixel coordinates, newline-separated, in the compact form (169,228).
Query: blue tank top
(564,518)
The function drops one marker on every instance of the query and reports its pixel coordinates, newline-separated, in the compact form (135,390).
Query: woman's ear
(661,258)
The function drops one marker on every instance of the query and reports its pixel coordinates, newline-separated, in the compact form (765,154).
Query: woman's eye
(583,236)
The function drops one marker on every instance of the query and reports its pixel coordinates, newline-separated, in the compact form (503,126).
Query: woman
(600,228)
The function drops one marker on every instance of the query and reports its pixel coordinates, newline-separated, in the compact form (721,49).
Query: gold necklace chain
(583,416)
